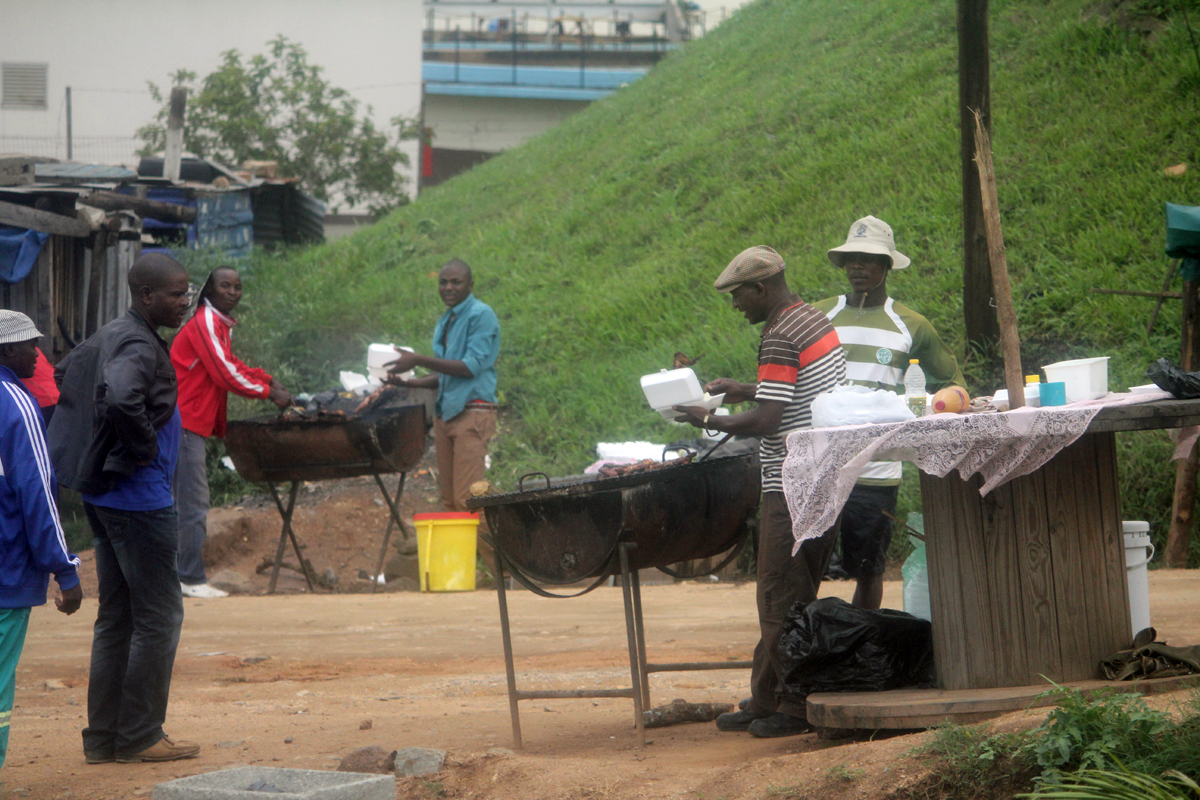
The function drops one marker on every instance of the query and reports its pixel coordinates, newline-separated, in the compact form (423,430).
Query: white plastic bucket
(1138,552)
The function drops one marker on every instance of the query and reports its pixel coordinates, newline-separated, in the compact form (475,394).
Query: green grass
(1107,737)
(597,243)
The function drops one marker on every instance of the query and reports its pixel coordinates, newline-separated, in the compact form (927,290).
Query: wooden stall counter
(1027,582)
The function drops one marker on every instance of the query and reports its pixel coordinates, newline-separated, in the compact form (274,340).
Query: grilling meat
(645,465)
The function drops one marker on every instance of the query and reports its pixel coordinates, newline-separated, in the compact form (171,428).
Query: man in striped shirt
(879,336)
(799,357)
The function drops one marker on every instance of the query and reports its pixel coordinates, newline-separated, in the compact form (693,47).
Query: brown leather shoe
(163,750)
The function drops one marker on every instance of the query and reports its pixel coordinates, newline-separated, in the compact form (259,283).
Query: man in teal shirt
(466,342)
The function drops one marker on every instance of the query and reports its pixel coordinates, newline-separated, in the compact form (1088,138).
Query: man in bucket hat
(879,336)
(798,358)
(32,544)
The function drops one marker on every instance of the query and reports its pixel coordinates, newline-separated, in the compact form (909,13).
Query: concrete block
(292,784)
(415,761)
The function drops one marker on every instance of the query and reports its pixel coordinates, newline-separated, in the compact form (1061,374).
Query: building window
(24,86)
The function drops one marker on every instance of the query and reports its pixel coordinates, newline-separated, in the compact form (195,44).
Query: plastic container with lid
(1033,391)
(672,387)
(1086,378)
(379,355)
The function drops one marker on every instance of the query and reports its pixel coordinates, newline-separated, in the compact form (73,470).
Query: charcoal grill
(557,533)
(387,438)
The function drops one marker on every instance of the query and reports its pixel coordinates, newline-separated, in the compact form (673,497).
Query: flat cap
(750,265)
(16,327)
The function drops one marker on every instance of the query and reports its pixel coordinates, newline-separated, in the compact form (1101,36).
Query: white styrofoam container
(1086,378)
(707,402)
(675,387)
(378,355)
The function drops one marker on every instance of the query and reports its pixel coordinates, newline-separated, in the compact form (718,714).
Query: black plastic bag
(831,646)
(1170,378)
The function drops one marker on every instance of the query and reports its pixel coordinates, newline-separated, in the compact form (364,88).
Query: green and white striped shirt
(878,343)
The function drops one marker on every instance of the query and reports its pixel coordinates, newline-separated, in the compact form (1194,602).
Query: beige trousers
(462,445)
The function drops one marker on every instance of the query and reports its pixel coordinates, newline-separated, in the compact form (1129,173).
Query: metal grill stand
(639,668)
(286,511)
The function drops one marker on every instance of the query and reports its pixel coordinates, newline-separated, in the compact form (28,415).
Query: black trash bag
(829,645)
(1170,378)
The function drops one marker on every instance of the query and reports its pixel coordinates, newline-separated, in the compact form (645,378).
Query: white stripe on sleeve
(210,330)
(31,415)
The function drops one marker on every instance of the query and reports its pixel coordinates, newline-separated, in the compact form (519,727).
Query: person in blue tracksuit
(32,544)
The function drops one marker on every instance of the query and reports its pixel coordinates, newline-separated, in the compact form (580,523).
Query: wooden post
(174,149)
(1183,506)
(1006,316)
(974,94)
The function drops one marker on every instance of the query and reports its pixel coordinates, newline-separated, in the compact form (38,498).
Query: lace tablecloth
(823,463)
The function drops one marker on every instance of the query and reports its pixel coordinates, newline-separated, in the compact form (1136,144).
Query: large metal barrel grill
(588,528)
(564,534)
(387,437)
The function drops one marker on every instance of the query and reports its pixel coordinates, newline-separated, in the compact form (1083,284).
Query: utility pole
(421,141)
(974,94)
(70,144)
(174,149)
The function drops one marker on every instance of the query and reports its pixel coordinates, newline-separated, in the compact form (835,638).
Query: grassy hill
(598,242)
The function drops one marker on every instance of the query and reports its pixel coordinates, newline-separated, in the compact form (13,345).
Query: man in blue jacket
(32,545)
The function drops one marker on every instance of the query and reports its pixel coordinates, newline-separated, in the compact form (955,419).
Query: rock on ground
(373,759)
(416,761)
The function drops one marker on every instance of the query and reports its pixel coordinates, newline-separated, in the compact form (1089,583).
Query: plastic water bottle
(914,387)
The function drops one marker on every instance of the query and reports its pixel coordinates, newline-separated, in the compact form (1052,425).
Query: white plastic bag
(858,405)
(916,573)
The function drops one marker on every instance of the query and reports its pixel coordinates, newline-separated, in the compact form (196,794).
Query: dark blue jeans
(137,628)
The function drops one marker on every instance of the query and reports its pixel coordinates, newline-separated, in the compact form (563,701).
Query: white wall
(492,124)
(106,51)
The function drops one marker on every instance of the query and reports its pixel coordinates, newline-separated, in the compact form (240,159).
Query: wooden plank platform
(924,708)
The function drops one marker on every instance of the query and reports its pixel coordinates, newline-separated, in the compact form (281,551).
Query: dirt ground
(300,680)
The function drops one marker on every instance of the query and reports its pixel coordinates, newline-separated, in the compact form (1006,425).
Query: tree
(278,107)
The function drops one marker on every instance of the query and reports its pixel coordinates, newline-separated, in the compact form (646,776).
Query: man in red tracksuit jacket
(207,371)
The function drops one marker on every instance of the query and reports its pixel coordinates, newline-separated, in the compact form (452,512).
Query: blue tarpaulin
(19,249)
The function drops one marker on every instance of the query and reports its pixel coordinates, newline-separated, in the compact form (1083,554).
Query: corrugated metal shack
(69,271)
(70,232)
(284,215)
(235,209)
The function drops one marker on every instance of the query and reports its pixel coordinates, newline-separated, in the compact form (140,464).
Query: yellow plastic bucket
(446,550)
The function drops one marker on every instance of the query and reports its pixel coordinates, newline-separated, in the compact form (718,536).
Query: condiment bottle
(1033,388)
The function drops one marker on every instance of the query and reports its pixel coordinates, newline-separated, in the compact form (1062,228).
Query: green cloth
(1154,660)
(1183,238)
(878,343)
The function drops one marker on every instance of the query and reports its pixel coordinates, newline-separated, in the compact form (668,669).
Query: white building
(107,50)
